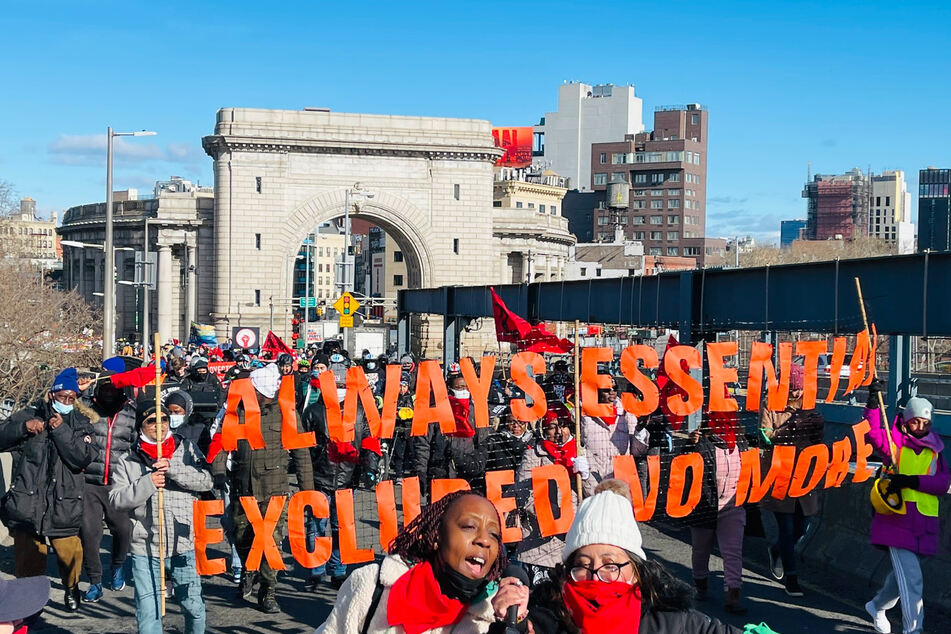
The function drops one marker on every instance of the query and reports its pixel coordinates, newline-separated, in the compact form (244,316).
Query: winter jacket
(914,530)
(112,439)
(352,606)
(603,441)
(330,473)
(192,384)
(544,621)
(437,455)
(263,473)
(798,427)
(504,451)
(133,490)
(46,494)
(721,473)
(535,549)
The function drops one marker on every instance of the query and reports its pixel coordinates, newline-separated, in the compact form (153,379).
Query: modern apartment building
(655,184)
(586,114)
(837,206)
(889,216)
(934,209)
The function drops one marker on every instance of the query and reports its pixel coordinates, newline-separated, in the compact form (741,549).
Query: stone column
(191,281)
(505,276)
(97,284)
(165,313)
(548,258)
(526,265)
(82,275)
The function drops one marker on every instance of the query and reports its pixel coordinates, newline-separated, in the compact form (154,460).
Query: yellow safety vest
(924,463)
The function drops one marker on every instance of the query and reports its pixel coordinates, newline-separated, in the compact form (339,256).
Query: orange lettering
(291,438)
(648,389)
(720,376)
(205,536)
(591,381)
(626,469)
(539,405)
(752,488)
(810,350)
(430,384)
(676,506)
(494,481)
(694,401)
(296,532)
(541,477)
(242,392)
(818,454)
(264,528)
(347,523)
(479,385)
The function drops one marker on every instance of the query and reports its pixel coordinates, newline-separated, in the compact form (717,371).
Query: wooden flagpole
(159,438)
(577,412)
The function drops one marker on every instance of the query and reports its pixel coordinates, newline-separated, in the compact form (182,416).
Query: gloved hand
(581,467)
(220,480)
(876,387)
(900,481)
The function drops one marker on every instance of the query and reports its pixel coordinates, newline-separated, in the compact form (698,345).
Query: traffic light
(346,305)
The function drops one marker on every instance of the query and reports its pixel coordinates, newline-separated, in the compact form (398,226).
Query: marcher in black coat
(51,445)
(112,416)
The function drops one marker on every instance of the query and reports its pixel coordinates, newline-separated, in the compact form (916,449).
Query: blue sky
(836,84)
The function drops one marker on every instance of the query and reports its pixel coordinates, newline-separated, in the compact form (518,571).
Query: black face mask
(198,377)
(456,585)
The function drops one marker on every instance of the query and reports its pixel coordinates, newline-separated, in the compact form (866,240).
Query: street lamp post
(358,191)
(109,292)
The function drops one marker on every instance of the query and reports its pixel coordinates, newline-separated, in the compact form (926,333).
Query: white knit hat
(917,407)
(266,380)
(604,518)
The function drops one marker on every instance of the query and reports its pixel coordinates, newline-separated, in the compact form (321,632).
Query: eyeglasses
(608,573)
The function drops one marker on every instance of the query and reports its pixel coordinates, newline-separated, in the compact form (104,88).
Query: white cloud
(90,149)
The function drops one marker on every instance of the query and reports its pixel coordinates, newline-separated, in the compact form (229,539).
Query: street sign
(346,305)
(145,270)
(311,302)
(246,337)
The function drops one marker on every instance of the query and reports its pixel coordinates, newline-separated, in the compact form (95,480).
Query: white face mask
(341,394)
(461,394)
(176,420)
(61,408)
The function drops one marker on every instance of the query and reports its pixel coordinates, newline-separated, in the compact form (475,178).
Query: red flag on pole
(511,328)
(275,346)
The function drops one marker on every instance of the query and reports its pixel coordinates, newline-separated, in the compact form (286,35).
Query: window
(888,201)
(673,192)
(604,158)
(657,192)
(554,210)
(657,204)
(496,203)
(639,235)
(673,203)
(639,192)
(257,241)
(696,158)
(657,177)
(694,119)
(638,204)
(672,251)
(657,235)
(584,271)
(397,280)
(541,208)
(456,191)
(531,205)
(455,246)
(691,250)
(673,236)
(657,220)
(518,205)
(618,177)
(673,220)
(674,177)
(603,221)
(640,178)
(397,256)
(600,178)
(257,297)
(638,220)
(878,201)
(655,251)
(257,184)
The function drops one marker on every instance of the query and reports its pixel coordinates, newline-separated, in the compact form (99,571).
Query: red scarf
(151,449)
(562,454)
(610,420)
(602,608)
(724,425)
(460,412)
(417,603)
(339,451)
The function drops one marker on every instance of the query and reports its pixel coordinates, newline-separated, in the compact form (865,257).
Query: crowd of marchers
(92,455)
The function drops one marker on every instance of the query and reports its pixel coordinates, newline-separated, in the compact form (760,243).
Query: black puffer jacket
(46,496)
(436,456)
(331,474)
(113,434)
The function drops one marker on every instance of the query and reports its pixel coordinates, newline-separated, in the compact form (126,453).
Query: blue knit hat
(68,379)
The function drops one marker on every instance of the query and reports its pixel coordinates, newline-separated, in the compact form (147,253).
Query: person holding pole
(162,461)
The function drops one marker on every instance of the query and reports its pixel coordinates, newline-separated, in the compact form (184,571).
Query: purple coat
(911,531)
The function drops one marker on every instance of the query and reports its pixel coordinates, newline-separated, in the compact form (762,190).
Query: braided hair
(417,541)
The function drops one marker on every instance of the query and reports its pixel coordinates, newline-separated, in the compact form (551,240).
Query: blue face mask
(61,408)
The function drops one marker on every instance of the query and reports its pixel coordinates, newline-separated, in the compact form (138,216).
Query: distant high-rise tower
(837,206)
(586,114)
(934,209)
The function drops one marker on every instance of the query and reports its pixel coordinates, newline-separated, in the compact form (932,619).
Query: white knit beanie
(917,407)
(604,518)
(266,380)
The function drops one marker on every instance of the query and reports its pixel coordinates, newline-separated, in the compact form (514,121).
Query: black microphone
(511,615)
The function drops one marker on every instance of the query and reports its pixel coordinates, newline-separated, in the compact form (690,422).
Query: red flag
(139,377)
(513,329)
(275,346)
